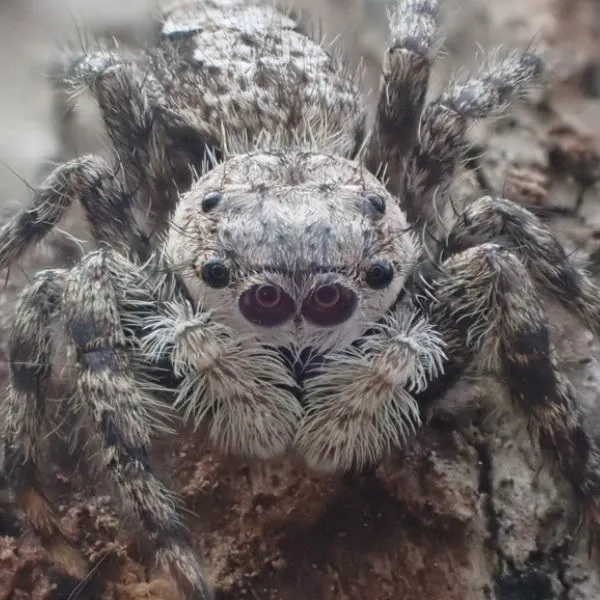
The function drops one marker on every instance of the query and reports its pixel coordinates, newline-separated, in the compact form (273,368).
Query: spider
(260,269)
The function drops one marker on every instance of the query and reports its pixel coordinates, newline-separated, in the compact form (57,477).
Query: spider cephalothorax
(334,256)
(288,304)
(305,269)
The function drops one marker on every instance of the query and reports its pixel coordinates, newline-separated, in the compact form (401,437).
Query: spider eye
(211,200)
(329,305)
(379,274)
(326,296)
(376,201)
(215,274)
(268,296)
(267,305)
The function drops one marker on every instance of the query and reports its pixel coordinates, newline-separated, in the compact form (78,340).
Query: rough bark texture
(469,510)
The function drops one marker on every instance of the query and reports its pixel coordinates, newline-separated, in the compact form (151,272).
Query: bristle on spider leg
(444,124)
(554,269)
(497,84)
(412,48)
(240,391)
(83,68)
(30,355)
(108,391)
(548,398)
(360,403)
(499,321)
(107,208)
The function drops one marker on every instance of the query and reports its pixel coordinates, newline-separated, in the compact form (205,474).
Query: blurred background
(32,34)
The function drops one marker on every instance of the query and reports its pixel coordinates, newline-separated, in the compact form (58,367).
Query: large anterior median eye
(267,305)
(329,304)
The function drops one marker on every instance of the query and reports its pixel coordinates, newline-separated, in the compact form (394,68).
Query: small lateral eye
(376,201)
(211,200)
(215,273)
(379,274)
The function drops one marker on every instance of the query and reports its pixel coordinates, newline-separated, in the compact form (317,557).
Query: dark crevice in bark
(486,489)
(535,581)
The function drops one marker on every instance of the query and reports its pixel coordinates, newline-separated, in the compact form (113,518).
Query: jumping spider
(261,269)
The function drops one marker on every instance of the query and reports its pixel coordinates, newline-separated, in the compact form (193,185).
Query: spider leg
(106,204)
(238,390)
(406,68)
(546,259)
(359,403)
(121,412)
(488,309)
(443,127)
(30,349)
(158,149)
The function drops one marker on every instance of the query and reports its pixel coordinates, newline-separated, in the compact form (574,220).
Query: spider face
(298,259)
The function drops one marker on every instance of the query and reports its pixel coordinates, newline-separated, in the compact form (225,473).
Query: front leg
(406,67)
(360,401)
(488,309)
(240,392)
(124,415)
(555,270)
